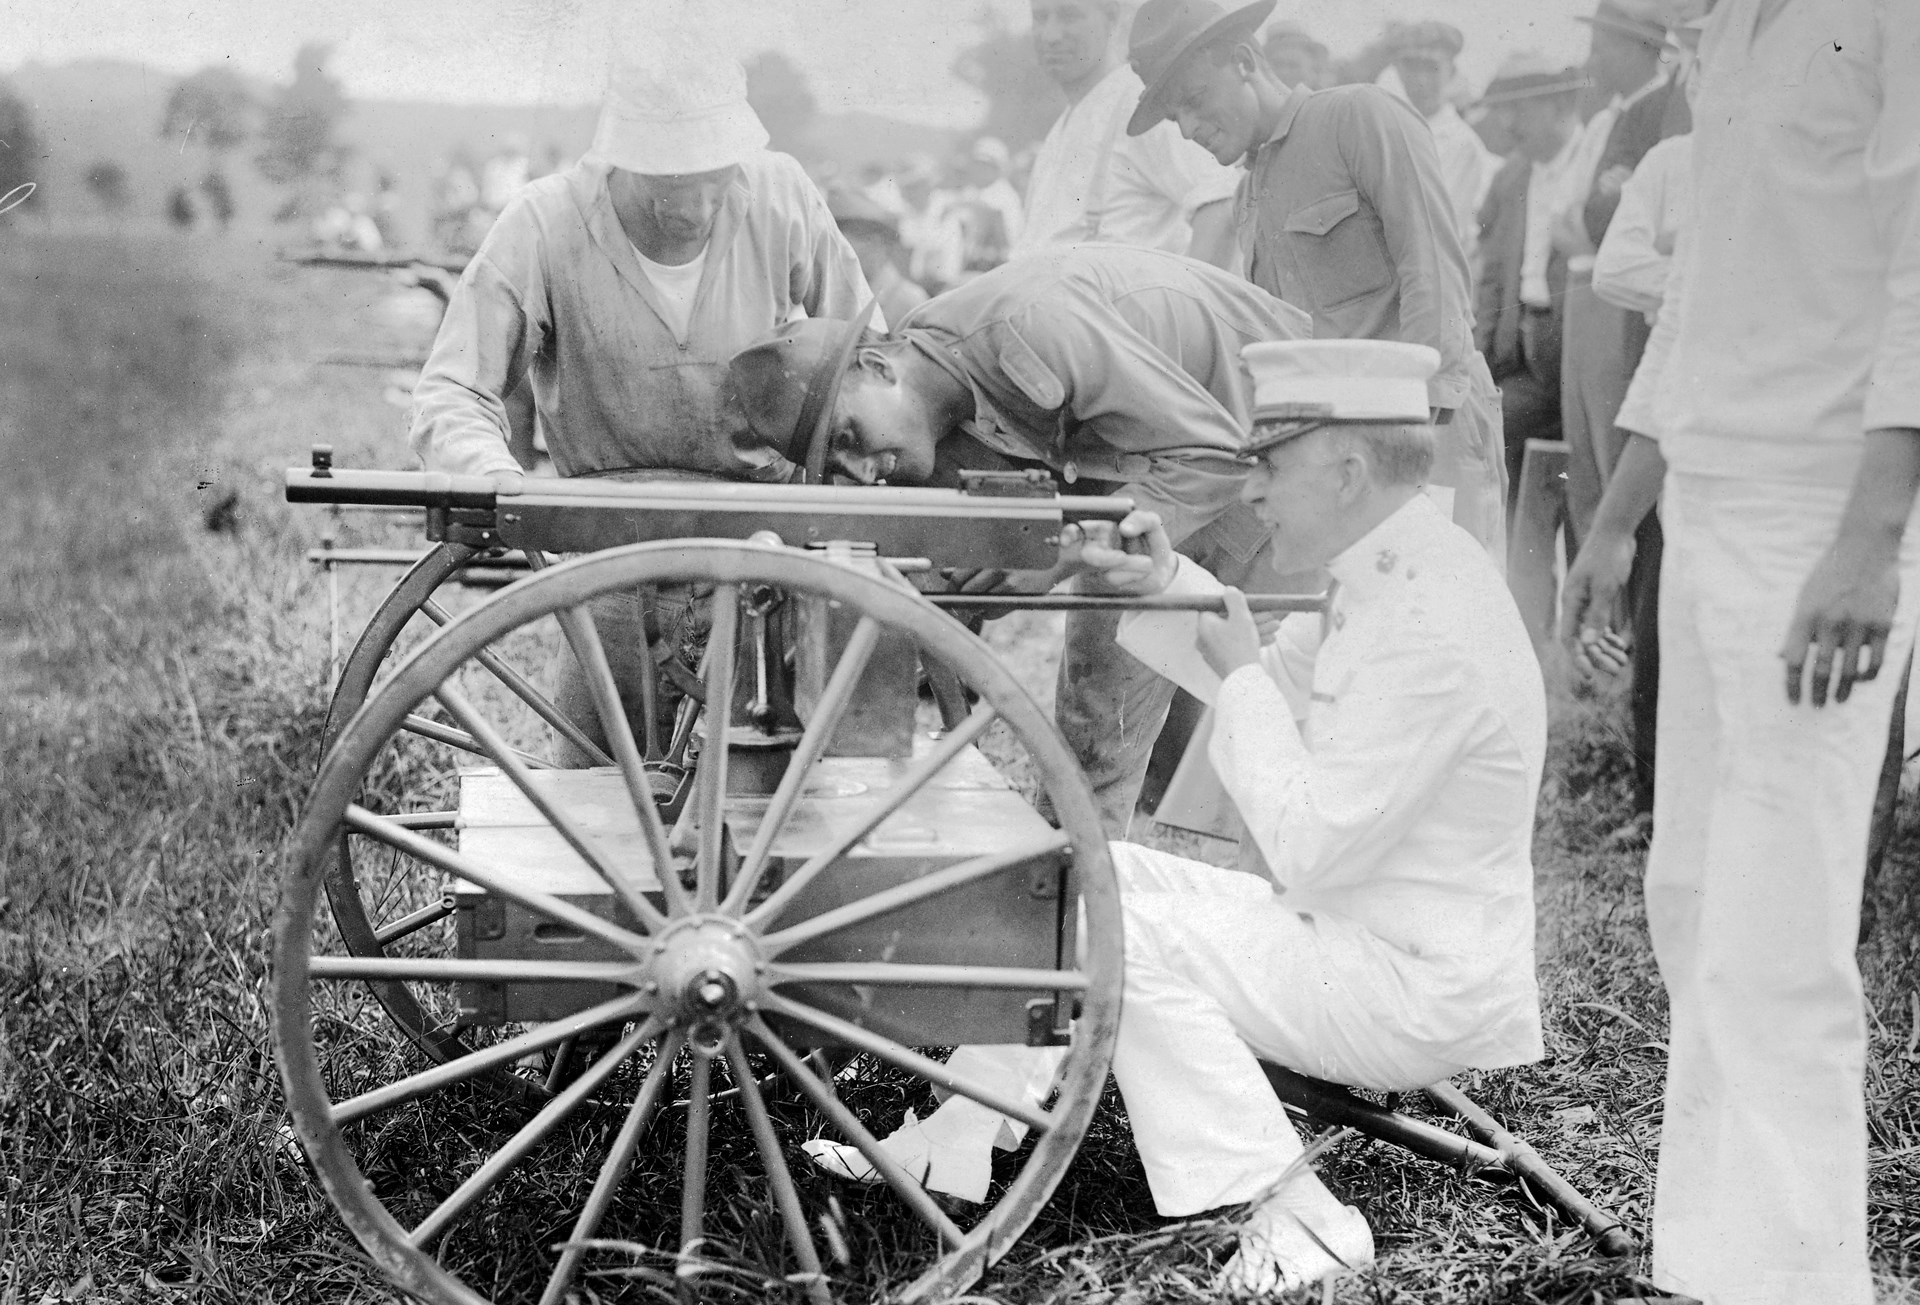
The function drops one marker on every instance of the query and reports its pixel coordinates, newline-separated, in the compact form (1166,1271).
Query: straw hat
(1527,74)
(674,107)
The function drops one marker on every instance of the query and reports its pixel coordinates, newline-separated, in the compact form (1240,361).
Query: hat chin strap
(813,428)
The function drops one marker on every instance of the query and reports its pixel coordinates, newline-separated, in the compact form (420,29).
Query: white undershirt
(675,286)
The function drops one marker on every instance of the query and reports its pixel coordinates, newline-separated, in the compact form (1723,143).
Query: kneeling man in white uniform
(1385,762)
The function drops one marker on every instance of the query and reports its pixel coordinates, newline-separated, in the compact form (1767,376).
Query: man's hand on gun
(1133,556)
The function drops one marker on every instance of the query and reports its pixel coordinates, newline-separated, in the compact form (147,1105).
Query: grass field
(163,660)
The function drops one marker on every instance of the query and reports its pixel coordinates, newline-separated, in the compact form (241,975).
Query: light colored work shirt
(1793,324)
(1116,364)
(557,291)
(1467,167)
(1092,181)
(1388,772)
(1548,191)
(1630,271)
(1344,213)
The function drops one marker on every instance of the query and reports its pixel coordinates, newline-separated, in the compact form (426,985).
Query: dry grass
(164,693)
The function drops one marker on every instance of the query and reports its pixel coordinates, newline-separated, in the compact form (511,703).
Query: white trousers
(1753,901)
(1221,974)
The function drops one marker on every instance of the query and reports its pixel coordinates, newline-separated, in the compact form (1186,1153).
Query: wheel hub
(706,971)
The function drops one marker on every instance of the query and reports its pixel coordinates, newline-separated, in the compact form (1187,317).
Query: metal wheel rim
(569,586)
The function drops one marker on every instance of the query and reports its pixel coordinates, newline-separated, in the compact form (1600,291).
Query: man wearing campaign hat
(622,285)
(1385,762)
(620,288)
(1344,212)
(1115,369)
(1523,276)
(1423,55)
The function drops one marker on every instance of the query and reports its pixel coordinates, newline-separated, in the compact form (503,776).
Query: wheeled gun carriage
(802,864)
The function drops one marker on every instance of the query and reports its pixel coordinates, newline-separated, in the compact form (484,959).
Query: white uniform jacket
(1388,771)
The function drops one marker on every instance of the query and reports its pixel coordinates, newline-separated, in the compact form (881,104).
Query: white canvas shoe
(1281,1249)
(962,1168)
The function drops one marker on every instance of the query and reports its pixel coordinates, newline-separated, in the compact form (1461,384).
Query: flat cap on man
(1286,32)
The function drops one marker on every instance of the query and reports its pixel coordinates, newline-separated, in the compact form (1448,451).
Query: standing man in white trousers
(1788,413)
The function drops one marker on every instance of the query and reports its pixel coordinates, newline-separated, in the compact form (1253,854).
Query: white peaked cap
(1356,380)
(676,103)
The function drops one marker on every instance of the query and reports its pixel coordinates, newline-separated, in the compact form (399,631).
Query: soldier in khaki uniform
(1116,370)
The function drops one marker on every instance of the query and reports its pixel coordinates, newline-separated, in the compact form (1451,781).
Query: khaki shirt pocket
(1339,249)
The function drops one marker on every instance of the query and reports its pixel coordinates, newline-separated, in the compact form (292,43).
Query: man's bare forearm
(1633,488)
(1883,489)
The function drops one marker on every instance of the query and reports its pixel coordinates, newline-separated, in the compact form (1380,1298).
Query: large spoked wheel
(378,901)
(735,960)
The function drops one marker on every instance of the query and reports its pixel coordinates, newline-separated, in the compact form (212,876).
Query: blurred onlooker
(987,205)
(1424,55)
(1787,402)
(1631,58)
(874,234)
(1628,64)
(1091,180)
(456,197)
(1523,278)
(936,249)
(1297,59)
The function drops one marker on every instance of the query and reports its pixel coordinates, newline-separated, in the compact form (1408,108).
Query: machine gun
(811,864)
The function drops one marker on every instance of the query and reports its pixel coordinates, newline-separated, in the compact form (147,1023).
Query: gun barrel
(420,489)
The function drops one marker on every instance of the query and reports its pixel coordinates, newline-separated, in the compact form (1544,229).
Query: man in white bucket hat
(1385,763)
(622,285)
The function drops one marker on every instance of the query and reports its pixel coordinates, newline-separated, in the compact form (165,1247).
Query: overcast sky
(888,56)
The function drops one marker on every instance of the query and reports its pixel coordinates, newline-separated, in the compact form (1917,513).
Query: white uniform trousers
(1220,974)
(1753,901)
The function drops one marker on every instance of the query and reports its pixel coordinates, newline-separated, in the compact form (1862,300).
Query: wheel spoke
(522,688)
(527,1138)
(408,925)
(711,790)
(449,969)
(453,738)
(614,875)
(425,819)
(584,639)
(500,1053)
(612,1170)
(904,895)
(784,1194)
(854,1131)
(887,974)
(361,820)
(834,700)
(693,1183)
(649,683)
(905,1058)
(916,778)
